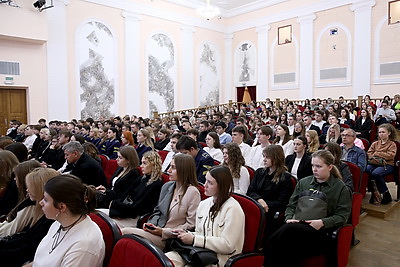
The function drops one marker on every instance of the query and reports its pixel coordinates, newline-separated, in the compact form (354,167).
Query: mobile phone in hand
(150,227)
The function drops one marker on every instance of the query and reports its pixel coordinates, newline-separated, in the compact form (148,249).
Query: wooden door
(12,107)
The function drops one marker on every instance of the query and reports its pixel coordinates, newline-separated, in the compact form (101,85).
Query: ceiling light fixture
(208,12)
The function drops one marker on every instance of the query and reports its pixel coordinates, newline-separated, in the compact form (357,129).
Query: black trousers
(292,243)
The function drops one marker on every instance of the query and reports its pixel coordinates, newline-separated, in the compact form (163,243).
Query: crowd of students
(305,143)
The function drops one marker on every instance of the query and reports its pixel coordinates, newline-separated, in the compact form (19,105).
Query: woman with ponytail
(73,239)
(305,233)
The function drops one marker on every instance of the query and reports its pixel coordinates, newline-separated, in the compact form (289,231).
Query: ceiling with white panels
(230,8)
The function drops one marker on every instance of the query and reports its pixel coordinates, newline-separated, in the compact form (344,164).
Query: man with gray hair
(351,152)
(82,165)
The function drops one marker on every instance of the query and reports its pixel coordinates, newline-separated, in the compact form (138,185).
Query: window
(285,34)
(394,12)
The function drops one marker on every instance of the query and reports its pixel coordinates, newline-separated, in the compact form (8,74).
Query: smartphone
(149,226)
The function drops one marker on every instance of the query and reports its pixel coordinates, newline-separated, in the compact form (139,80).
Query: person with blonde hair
(333,134)
(141,196)
(144,143)
(177,204)
(312,141)
(22,235)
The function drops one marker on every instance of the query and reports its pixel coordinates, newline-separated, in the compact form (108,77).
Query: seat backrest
(365,143)
(165,178)
(254,222)
(216,162)
(203,144)
(110,230)
(104,161)
(372,133)
(112,166)
(163,154)
(356,175)
(202,190)
(135,251)
(251,172)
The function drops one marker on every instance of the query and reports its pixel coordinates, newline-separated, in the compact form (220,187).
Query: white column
(57,62)
(362,47)
(262,68)
(133,92)
(306,51)
(187,89)
(230,93)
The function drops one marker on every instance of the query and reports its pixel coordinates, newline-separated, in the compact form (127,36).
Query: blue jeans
(378,173)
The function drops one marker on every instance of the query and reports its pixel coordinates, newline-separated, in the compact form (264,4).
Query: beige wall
(30,47)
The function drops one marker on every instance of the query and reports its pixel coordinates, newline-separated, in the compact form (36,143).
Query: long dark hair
(224,179)
(277,156)
(69,189)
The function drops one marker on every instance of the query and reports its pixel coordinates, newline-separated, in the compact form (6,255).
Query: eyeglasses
(347,135)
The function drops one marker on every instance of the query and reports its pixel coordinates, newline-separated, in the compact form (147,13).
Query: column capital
(306,19)
(363,5)
(228,36)
(131,15)
(263,29)
(188,29)
(61,2)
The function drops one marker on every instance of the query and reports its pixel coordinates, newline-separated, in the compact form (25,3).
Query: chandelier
(208,12)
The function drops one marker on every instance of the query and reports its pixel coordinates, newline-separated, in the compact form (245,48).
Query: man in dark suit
(82,165)
(309,126)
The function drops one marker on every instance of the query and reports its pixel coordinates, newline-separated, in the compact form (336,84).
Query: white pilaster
(362,47)
(306,55)
(187,91)
(57,63)
(230,93)
(132,66)
(262,76)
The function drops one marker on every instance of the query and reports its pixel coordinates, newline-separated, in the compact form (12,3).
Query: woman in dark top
(363,125)
(143,196)
(163,139)
(299,163)
(111,146)
(144,143)
(124,177)
(272,186)
(8,187)
(344,169)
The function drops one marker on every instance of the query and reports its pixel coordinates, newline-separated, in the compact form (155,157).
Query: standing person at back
(239,134)
(203,160)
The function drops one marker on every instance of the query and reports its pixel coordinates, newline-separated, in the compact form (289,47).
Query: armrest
(246,259)
(143,219)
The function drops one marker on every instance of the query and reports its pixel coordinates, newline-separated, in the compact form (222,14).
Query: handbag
(195,256)
(376,195)
(311,205)
(377,161)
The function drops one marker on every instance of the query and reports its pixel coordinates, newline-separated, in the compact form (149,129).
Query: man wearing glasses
(351,152)
(385,113)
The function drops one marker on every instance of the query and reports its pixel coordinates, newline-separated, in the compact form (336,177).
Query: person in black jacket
(141,197)
(125,176)
(272,187)
(299,163)
(82,165)
(363,125)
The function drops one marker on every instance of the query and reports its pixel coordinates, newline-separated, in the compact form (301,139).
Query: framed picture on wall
(285,34)
(394,12)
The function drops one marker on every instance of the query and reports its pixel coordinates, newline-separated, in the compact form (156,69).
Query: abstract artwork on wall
(209,71)
(162,73)
(96,61)
(245,64)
